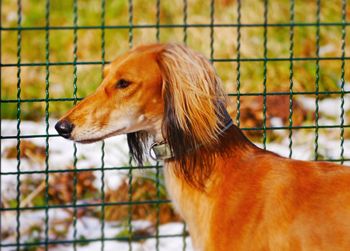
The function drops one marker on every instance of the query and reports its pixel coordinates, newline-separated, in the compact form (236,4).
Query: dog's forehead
(139,53)
(137,61)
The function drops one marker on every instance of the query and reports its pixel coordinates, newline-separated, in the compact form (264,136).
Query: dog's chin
(90,140)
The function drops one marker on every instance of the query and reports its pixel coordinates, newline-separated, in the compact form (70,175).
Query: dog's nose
(64,128)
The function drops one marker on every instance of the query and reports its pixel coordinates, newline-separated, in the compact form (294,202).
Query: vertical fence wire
(131,22)
(266,7)
(102,218)
(157,174)
(157,20)
(130,207)
(317,78)
(185,37)
(212,19)
(291,75)
(47,115)
(238,67)
(1,84)
(75,89)
(185,14)
(342,79)
(18,146)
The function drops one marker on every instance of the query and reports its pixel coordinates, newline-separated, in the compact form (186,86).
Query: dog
(232,194)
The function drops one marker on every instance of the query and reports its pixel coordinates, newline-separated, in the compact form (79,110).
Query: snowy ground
(89,227)
(116,154)
(61,152)
(61,156)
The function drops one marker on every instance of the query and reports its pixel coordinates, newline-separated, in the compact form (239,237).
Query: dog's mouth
(93,140)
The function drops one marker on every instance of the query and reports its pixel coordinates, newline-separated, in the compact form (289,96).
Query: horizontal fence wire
(251,94)
(106,168)
(238,59)
(90,240)
(181,26)
(214,60)
(86,205)
(271,128)
(116,168)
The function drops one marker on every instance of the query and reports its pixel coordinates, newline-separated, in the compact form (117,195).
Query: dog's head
(166,91)
(129,99)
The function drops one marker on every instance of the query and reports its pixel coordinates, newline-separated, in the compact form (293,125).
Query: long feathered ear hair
(194,111)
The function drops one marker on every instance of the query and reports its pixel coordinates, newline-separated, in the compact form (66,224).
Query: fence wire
(238,93)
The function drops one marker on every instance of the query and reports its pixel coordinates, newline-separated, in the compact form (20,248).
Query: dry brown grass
(142,190)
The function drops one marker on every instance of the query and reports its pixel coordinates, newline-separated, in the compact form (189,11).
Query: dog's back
(267,202)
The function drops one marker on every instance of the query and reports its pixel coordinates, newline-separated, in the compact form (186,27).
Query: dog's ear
(193,101)
(106,70)
(193,95)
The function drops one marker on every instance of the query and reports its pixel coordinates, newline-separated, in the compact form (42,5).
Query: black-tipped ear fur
(137,142)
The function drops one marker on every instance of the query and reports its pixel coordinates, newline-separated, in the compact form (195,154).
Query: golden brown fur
(195,90)
(232,195)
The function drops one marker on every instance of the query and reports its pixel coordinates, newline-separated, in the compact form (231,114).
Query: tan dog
(232,195)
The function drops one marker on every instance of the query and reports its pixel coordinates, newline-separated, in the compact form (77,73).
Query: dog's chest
(193,206)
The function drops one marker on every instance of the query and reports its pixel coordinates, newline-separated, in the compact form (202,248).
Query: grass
(171,12)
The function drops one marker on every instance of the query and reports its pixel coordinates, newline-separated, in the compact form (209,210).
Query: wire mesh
(238,60)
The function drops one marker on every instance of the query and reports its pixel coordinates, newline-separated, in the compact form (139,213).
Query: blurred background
(61,45)
(65,64)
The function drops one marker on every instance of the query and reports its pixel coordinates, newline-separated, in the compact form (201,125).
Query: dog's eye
(122,83)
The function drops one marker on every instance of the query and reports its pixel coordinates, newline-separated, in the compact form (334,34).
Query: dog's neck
(186,197)
(160,149)
(156,132)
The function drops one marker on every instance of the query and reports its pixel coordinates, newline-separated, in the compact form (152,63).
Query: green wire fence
(177,29)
